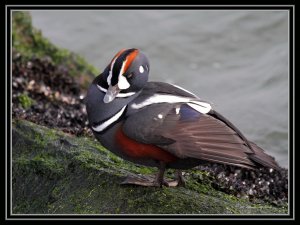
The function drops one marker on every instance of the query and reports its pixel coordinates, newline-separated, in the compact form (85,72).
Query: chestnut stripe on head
(128,56)
(129,59)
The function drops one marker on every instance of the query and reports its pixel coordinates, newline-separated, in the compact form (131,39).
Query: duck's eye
(141,69)
(147,68)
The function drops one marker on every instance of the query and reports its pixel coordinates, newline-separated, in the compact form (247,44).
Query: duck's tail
(262,158)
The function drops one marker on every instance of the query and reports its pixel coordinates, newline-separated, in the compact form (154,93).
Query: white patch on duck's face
(141,69)
(123,83)
(160,116)
(110,121)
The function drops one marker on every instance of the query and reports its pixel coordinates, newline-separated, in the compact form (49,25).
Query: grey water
(236,59)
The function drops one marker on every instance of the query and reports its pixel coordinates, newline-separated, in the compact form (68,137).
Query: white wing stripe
(199,106)
(156,98)
(184,90)
(108,122)
(202,104)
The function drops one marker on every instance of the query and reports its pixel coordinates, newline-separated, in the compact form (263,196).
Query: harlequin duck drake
(162,125)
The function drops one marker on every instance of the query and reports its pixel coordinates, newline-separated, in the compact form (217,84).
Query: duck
(162,125)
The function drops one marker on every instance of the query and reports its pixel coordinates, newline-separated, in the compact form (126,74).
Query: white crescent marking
(110,72)
(108,122)
(119,95)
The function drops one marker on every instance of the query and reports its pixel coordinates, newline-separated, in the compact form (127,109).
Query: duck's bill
(111,93)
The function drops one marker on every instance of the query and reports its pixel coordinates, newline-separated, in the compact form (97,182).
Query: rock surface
(58,173)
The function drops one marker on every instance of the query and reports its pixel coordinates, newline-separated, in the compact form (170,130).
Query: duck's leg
(158,181)
(179,180)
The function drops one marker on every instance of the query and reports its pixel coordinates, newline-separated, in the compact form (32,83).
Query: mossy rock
(56,173)
(30,42)
(25,101)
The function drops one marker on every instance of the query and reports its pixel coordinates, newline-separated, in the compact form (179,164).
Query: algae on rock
(55,173)
(30,42)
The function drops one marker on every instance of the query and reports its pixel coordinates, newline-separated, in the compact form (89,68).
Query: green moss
(30,43)
(40,140)
(41,164)
(25,101)
(22,161)
(77,175)
(112,160)
(83,65)
(46,163)
(51,134)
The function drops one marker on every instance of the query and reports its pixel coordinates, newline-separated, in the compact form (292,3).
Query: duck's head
(127,72)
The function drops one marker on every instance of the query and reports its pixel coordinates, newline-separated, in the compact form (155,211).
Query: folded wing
(187,133)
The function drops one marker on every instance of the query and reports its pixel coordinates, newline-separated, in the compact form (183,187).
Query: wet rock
(264,183)
(56,173)
(58,97)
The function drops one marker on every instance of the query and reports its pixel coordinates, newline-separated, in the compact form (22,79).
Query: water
(238,60)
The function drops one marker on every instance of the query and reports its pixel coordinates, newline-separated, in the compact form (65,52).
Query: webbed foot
(146,181)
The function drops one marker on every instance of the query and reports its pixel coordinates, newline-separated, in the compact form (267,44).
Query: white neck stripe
(108,122)
(119,95)
(110,72)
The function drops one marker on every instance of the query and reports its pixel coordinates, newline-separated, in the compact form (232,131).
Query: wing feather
(206,137)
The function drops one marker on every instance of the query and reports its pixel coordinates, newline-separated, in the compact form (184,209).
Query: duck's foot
(149,181)
(158,181)
(146,181)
